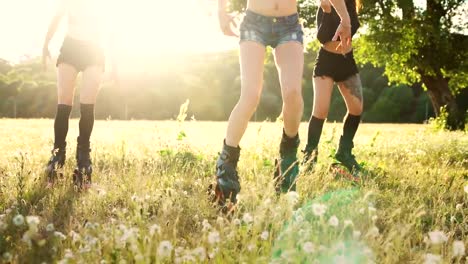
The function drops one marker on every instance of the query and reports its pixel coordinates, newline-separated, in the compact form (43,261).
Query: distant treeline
(212,84)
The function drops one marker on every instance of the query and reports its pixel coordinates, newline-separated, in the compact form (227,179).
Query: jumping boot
(84,169)
(287,167)
(345,157)
(55,164)
(227,184)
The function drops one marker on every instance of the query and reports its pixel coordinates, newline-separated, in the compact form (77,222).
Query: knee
(356,109)
(249,102)
(293,97)
(65,99)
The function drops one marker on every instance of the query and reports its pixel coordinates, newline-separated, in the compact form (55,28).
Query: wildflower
(373,232)
(154,229)
(236,222)
(458,249)
(356,234)
(319,209)
(7,257)
(348,222)
(50,228)
(213,237)
(432,259)
(75,236)
(200,252)
(247,218)
(293,197)
(206,225)
(165,249)
(308,247)
(333,221)
(264,235)
(437,237)
(18,220)
(459,207)
(60,235)
(32,220)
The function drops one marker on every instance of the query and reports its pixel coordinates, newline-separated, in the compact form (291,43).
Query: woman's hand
(226,23)
(326,6)
(45,56)
(344,32)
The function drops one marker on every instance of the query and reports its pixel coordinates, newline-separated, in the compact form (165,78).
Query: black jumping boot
(227,179)
(56,163)
(345,157)
(84,169)
(287,167)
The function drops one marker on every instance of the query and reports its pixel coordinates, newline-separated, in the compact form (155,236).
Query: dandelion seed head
(247,218)
(18,220)
(154,229)
(213,237)
(50,227)
(432,259)
(265,234)
(60,235)
(319,209)
(308,247)
(458,249)
(293,197)
(333,221)
(206,225)
(32,220)
(437,237)
(165,249)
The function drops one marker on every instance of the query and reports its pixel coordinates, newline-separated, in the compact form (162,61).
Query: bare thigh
(351,90)
(92,78)
(66,79)
(289,58)
(323,88)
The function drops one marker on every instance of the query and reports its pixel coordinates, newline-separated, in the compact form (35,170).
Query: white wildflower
(373,231)
(32,220)
(59,235)
(50,228)
(348,222)
(200,253)
(308,247)
(437,237)
(356,234)
(247,218)
(251,247)
(236,222)
(333,221)
(154,229)
(165,249)
(458,249)
(213,237)
(432,259)
(206,225)
(293,197)
(7,257)
(264,235)
(74,236)
(18,220)
(319,209)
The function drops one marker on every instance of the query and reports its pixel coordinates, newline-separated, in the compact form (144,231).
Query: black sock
(314,133)
(86,123)
(350,127)
(61,125)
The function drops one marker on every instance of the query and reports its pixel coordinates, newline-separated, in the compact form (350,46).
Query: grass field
(148,203)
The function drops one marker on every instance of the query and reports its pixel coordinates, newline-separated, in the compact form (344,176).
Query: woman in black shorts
(81,52)
(335,64)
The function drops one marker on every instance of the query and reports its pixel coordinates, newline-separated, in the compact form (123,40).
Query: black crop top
(327,23)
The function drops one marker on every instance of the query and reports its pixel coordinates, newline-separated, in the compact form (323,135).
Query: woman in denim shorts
(81,52)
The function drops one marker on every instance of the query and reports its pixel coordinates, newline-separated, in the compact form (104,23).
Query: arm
(225,20)
(51,32)
(344,29)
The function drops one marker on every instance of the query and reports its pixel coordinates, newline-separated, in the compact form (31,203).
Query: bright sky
(146,28)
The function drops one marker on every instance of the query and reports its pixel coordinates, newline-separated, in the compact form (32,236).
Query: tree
(419,44)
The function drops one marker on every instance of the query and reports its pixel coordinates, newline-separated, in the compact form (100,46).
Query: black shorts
(339,67)
(81,54)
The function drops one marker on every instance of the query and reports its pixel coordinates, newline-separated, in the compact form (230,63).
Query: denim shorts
(270,31)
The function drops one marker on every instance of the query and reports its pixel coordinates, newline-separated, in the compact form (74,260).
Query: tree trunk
(440,95)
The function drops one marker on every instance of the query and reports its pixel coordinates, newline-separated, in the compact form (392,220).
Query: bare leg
(289,59)
(66,78)
(351,90)
(252,56)
(92,78)
(323,88)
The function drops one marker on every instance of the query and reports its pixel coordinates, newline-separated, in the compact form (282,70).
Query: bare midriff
(332,46)
(275,8)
